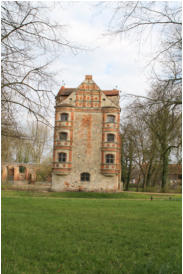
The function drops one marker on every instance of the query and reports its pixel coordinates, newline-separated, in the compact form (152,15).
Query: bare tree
(31,146)
(147,17)
(159,112)
(151,134)
(127,153)
(29,43)
(159,19)
(164,125)
(40,140)
(138,149)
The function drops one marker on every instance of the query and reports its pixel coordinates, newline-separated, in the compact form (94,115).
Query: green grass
(56,232)
(168,189)
(90,195)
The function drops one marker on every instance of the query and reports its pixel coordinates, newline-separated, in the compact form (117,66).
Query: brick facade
(19,172)
(88,157)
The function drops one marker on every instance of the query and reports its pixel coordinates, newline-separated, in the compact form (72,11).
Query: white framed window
(110,137)
(109,158)
(62,157)
(64,117)
(110,118)
(85,176)
(63,136)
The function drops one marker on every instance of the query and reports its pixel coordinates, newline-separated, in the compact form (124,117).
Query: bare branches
(134,15)
(28,38)
(154,128)
(28,145)
(163,20)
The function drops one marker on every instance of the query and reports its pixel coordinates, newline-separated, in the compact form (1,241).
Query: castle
(86,154)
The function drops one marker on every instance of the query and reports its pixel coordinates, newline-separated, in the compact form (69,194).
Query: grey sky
(112,61)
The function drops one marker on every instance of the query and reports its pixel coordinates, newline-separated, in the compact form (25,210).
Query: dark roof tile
(67,91)
(113,92)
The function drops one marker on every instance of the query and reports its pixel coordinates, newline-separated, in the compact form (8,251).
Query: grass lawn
(56,232)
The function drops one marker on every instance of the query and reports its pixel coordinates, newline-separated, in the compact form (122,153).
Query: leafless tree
(32,145)
(164,125)
(159,19)
(29,45)
(143,17)
(154,134)
(127,153)
(40,140)
(139,148)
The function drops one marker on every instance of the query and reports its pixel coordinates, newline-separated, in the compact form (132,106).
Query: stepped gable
(88,84)
(87,94)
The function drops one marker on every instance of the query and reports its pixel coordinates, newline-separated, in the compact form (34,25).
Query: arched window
(110,118)
(85,176)
(63,136)
(110,158)
(22,169)
(64,116)
(62,157)
(110,137)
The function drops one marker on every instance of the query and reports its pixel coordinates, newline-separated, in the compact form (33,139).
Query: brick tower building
(86,155)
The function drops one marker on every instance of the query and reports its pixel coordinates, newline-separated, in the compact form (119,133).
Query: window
(62,157)
(21,169)
(110,137)
(63,136)
(85,176)
(109,158)
(110,118)
(64,117)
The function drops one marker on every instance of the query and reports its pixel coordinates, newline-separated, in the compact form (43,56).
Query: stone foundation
(102,184)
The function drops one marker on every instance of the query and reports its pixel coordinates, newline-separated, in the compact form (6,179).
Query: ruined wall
(11,172)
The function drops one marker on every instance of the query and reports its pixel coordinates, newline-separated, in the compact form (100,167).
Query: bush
(44,172)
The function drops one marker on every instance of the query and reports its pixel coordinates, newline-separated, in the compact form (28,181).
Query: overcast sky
(113,62)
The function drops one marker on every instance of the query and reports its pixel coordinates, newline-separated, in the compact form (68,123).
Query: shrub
(44,172)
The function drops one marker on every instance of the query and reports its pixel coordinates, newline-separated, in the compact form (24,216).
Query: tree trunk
(144,182)
(165,159)
(149,173)
(123,172)
(137,187)
(129,174)
(123,164)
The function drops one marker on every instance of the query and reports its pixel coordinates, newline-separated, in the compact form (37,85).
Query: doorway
(11,174)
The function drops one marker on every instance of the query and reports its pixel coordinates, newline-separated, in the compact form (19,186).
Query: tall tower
(86,154)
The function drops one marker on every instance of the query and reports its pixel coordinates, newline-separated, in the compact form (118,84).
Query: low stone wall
(24,185)
(47,186)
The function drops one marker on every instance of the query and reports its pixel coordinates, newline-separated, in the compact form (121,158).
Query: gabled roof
(113,92)
(67,91)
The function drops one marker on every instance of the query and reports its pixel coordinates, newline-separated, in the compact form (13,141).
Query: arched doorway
(22,173)
(10,173)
